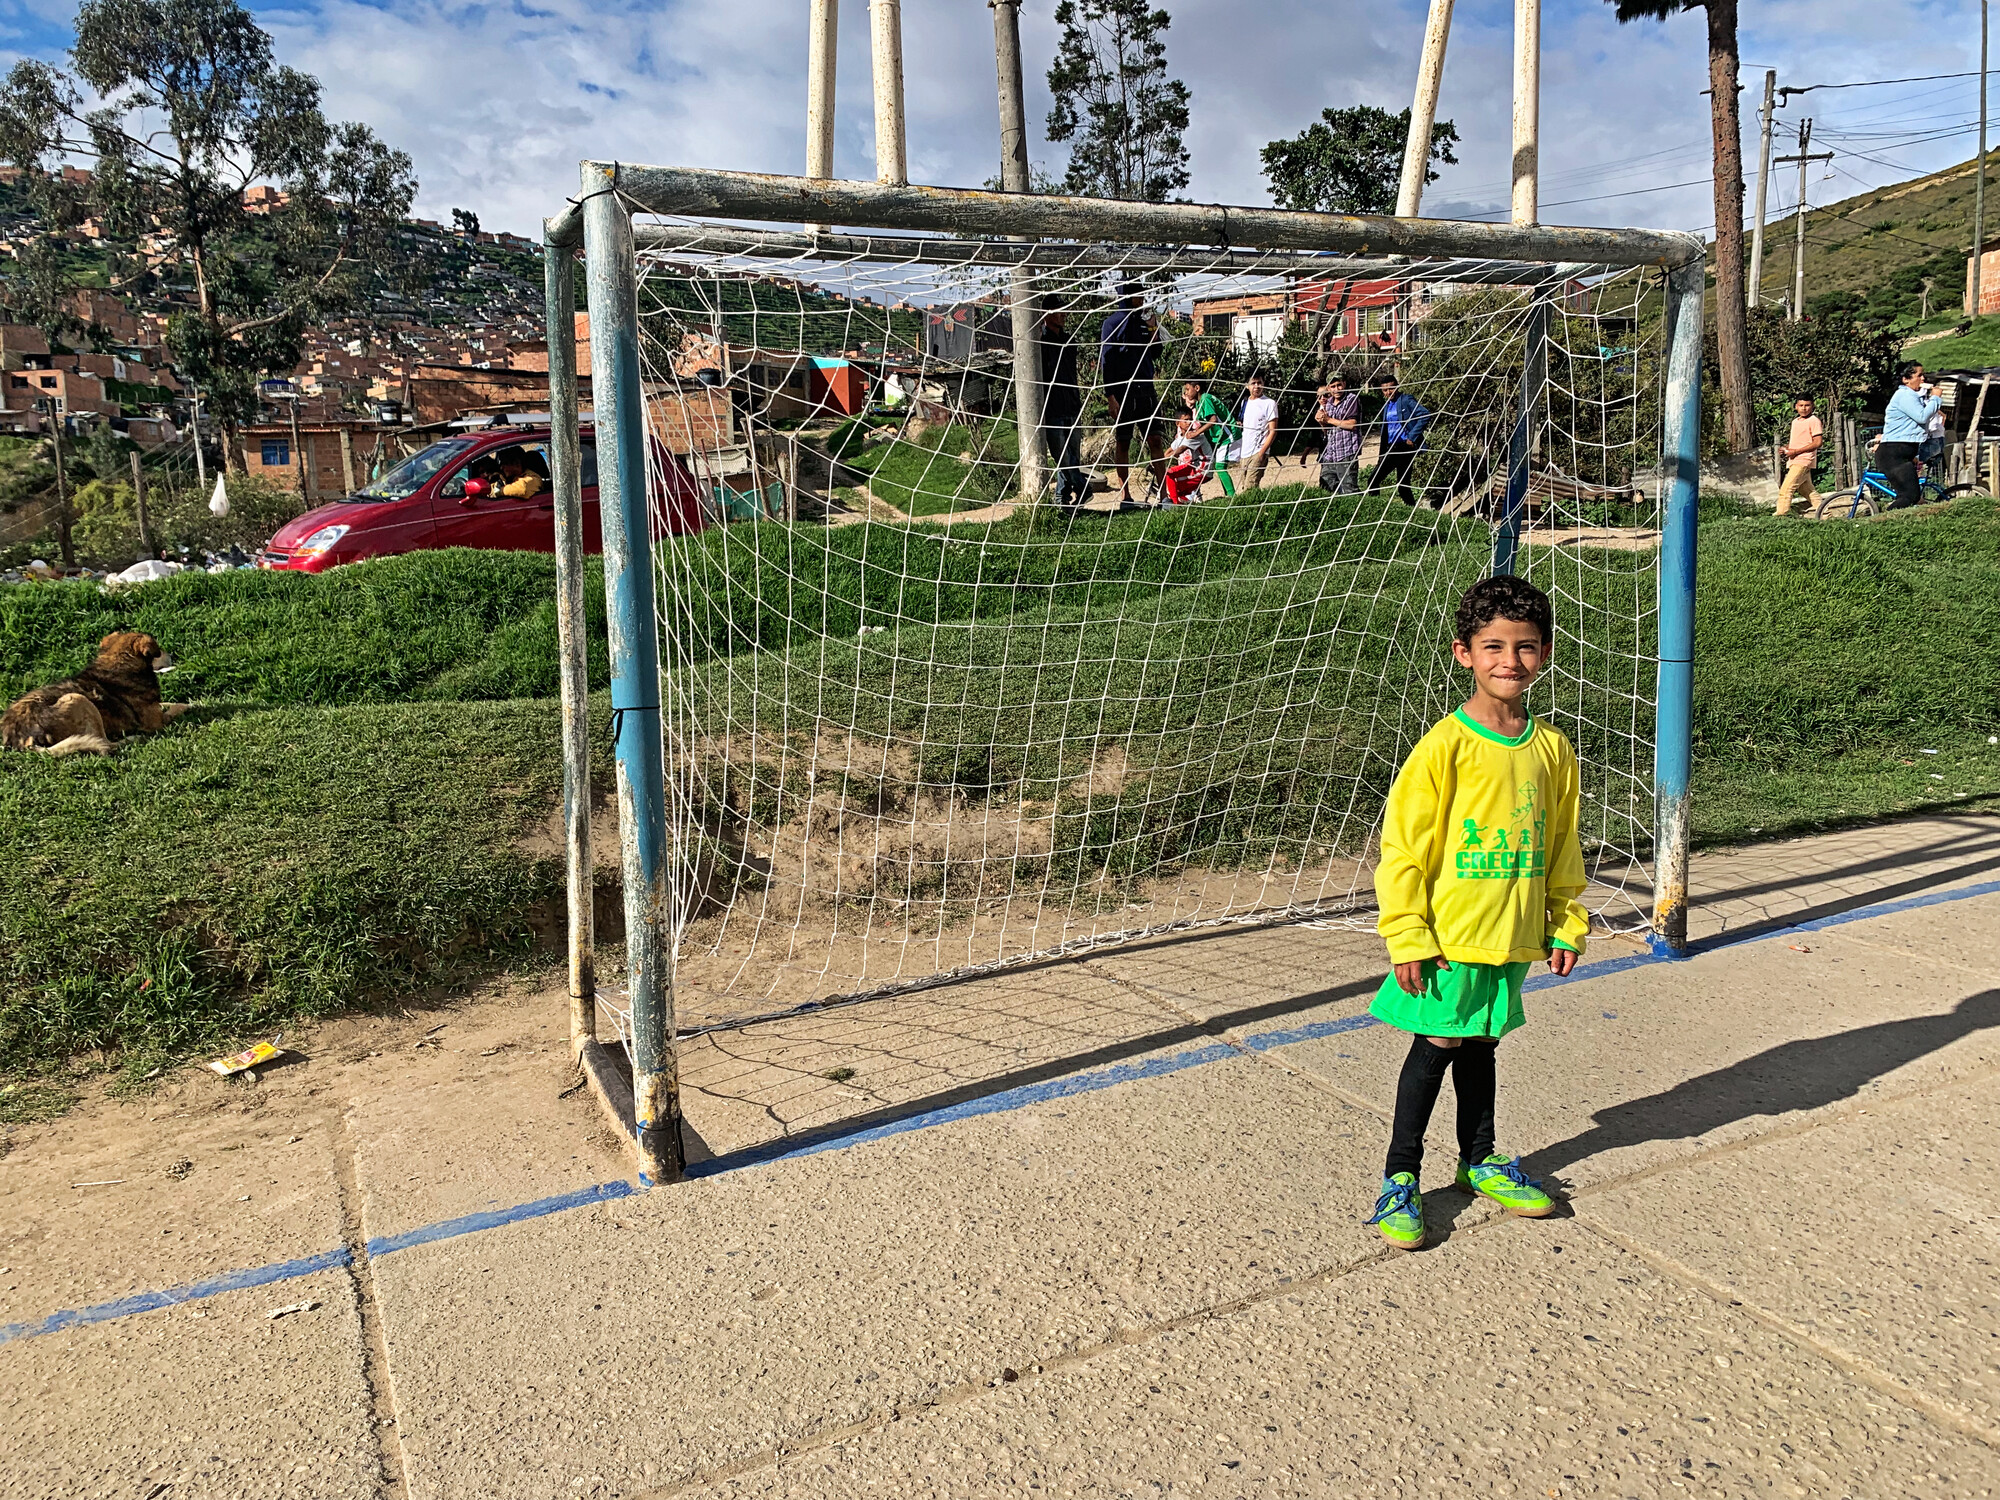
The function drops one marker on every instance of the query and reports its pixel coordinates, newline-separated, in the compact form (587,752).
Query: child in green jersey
(1479,877)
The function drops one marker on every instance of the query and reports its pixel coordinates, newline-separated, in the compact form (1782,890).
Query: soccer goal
(1001,577)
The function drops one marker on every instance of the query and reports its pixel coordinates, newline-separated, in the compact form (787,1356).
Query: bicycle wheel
(1960,489)
(1842,505)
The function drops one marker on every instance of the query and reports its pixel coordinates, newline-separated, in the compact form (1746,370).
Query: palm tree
(1731,343)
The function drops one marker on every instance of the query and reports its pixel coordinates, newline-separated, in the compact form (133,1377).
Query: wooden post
(299,456)
(572,634)
(139,506)
(1023,307)
(1527,110)
(63,528)
(822,52)
(1423,111)
(347,459)
(891,149)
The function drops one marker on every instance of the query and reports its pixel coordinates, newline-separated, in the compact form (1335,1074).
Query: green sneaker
(1399,1212)
(1501,1179)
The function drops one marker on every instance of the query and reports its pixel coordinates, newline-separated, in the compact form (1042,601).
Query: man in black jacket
(1062,412)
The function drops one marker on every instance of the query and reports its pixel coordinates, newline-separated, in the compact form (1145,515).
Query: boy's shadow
(1795,1076)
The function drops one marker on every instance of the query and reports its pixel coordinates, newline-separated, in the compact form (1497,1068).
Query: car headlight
(322,539)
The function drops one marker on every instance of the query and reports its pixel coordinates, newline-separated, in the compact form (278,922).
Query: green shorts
(1462,1000)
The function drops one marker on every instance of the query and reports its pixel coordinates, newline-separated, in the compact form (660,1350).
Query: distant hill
(1880,246)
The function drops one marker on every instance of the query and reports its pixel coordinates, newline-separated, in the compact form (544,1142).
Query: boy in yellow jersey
(1479,877)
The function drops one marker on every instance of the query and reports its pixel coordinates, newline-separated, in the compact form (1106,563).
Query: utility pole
(1979,192)
(892,160)
(1755,291)
(1023,305)
(200,464)
(822,51)
(1423,111)
(1527,110)
(298,453)
(63,521)
(139,506)
(1805,156)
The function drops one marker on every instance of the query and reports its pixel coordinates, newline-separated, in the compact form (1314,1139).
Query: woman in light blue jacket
(1904,429)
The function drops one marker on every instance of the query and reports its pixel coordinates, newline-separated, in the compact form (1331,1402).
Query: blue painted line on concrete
(1010,1099)
(214,1286)
(1890,908)
(451,1229)
(1264,1041)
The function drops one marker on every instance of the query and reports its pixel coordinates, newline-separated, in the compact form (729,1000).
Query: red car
(450,495)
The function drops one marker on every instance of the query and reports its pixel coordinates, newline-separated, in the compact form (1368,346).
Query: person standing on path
(1904,428)
(1801,455)
(1128,354)
(1404,422)
(1062,412)
(1260,430)
(1339,413)
(1479,877)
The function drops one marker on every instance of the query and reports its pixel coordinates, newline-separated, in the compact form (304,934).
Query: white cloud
(497,102)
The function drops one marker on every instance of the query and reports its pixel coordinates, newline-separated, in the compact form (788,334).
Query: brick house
(1363,316)
(332,457)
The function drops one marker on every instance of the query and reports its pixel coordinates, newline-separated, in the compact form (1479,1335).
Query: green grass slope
(359,804)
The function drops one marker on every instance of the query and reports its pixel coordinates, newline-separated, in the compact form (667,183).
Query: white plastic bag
(218,503)
(146,570)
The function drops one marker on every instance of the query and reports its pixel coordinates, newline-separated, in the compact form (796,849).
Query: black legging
(1898,463)
(1472,1079)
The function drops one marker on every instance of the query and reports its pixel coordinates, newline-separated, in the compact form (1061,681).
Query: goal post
(1061,722)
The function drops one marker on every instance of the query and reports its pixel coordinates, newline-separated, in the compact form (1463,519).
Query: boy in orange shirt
(1479,877)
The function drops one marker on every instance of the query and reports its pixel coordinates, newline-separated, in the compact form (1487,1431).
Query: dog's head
(129,650)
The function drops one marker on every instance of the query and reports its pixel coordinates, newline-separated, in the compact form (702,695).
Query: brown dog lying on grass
(116,695)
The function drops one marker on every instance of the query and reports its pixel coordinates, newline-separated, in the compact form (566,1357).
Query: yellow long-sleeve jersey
(1480,860)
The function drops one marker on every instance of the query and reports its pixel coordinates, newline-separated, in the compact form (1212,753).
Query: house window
(277,453)
(1215,325)
(48,382)
(20,382)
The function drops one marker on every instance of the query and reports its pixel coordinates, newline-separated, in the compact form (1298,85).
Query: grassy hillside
(1859,243)
(361,803)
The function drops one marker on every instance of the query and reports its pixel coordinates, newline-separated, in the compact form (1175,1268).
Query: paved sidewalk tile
(477,1119)
(754,1084)
(1528,1360)
(216,1401)
(648,1340)
(1879,1234)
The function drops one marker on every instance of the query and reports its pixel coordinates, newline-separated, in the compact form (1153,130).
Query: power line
(1876,83)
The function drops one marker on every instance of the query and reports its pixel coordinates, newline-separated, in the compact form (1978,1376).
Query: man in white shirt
(1260,429)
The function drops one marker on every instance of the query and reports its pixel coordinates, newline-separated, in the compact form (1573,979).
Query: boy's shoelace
(1511,1170)
(1395,1199)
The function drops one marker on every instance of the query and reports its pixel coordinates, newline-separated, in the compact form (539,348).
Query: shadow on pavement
(1973,837)
(1063,1067)
(1795,1076)
(1784,921)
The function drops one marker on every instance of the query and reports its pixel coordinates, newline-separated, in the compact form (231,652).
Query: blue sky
(497,102)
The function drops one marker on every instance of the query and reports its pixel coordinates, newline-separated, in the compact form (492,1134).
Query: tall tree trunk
(1731,341)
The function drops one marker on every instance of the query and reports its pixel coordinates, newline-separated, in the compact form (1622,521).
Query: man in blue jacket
(1904,429)
(1403,425)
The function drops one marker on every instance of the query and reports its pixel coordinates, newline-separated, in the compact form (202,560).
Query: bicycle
(1874,494)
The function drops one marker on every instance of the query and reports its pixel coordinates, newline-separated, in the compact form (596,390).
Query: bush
(107,525)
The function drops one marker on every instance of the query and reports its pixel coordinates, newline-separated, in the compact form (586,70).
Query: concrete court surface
(1089,1229)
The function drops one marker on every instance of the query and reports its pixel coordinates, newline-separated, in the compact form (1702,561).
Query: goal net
(936,698)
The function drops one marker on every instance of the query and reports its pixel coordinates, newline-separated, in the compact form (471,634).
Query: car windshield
(408,477)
